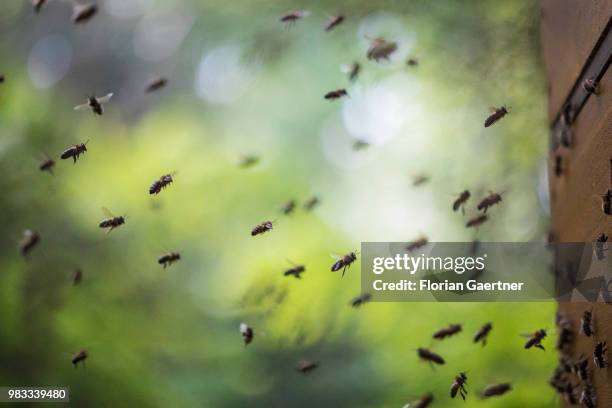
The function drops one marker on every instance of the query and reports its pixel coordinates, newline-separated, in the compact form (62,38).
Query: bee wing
(243,328)
(107,212)
(336,256)
(81,107)
(105,98)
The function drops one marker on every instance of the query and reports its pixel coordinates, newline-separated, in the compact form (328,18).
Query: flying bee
(38,5)
(334,22)
(169,258)
(482,334)
(449,331)
(586,323)
(535,339)
(412,62)
(112,221)
(261,228)
(558,165)
(419,243)
(288,207)
(79,357)
(337,94)
(161,183)
(590,86)
(606,202)
(360,145)
(361,299)
(600,246)
(489,201)
(461,200)
(77,276)
(156,84)
(477,221)
(381,49)
(587,397)
(429,356)
(581,368)
(496,390)
(248,161)
(46,164)
(599,355)
(29,241)
(1,79)
(82,13)
(95,104)
(419,180)
(296,271)
(344,262)
(74,151)
(306,366)
(247,333)
(497,114)
(459,386)
(422,402)
(293,16)
(352,70)
(311,203)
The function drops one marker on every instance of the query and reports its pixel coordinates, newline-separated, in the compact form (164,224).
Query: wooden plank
(569,31)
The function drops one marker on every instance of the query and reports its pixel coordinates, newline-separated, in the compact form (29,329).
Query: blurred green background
(242,83)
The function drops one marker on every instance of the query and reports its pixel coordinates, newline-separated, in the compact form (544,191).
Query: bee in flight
(352,70)
(261,228)
(447,332)
(482,334)
(461,200)
(74,151)
(28,242)
(46,164)
(95,104)
(477,221)
(293,16)
(489,201)
(311,203)
(296,271)
(248,161)
(169,258)
(161,183)
(497,114)
(429,356)
(77,276)
(247,333)
(156,84)
(334,22)
(422,402)
(419,243)
(82,13)
(361,299)
(288,207)
(343,262)
(381,49)
(306,366)
(412,62)
(79,357)
(459,386)
(535,339)
(496,390)
(419,180)
(112,221)
(337,94)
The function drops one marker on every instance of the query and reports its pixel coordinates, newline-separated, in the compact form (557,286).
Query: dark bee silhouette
(169,258)
(459,386)
(293,16)
(296,271)
(419,243)
(599,355)
(477,221)
(489,201)
(311,203)
(447,332)
(337,94)
(606,202)
(248,161)
(535,339)
(1,79)
(47,164)
(482,334)
(82,13)
(424,401)
(566,333)
(344,263)
(261,228)
(557,380)
(586,323)
(77,276)
(74,151)
(156,84)
(587,397)
(352,70)
(288,207)
(569,392)
(566,364)
(600,246)
(429,356)
(412,62)
(497,114)
(161,183)
(79,357)
(381,49)
(95,104)
(306,366)
(111,222)
(28,242)
(461,200)
(558,165)
(419,180)
(581,368)
(38,5)
(590,86)
(334,22)
(247,333)
(360,144)
(496,390)
(361,299)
